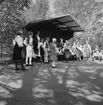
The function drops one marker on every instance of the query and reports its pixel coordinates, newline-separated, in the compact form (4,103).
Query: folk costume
(53,52)
(18,52)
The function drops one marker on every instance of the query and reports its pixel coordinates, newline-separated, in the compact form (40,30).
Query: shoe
(17,69)
(27,65)
(31,65)
(54,66)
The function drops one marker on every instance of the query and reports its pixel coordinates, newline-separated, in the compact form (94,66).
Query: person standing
(79,51)
(60,47)
(36,43)
(18,52)
(29,50)
(46,50)
(67,52)
(29,54)
(53,53)
(87,51)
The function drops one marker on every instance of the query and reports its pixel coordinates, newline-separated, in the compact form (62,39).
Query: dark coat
(17,53)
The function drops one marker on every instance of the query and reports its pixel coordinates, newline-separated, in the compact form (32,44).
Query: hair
(54,39)
(19,40)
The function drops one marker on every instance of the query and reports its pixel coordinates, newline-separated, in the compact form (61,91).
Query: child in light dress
(29,54)
(29,51)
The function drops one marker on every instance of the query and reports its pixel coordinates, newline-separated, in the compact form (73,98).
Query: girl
(29,51)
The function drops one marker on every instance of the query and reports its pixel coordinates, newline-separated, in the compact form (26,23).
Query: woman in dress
(87,51)
(46,50)
(18,52)
(29,50)
(41,50)
(53,52)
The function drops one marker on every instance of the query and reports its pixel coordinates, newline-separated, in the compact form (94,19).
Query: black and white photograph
(51,52)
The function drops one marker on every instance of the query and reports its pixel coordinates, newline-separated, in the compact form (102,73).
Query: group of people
(24,50)
(47,50)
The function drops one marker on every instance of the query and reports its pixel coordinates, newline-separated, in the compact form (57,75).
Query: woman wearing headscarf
(18,52)
(53,52)
(46,50)
(87,51)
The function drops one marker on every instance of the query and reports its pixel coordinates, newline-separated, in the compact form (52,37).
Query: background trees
(15,14)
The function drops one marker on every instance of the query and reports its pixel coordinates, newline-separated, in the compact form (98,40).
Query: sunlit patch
(43,74)
(86,68)
(39,103)
(41,92)
(99,67)
(51,101)
(4,93)
(71,84)
(101,75)
(92,77)
(94,97)
(72,74)
(15,84)
(60,79)
(12,65)
(62,70)
(98,62)
(46,72)
(79,103)
(1,67)
(10,82)
(87,90)
(3,103)
(73,78)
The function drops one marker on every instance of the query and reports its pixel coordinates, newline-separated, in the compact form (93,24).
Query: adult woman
(18,52)
(53,52)
(87,51)
(46,50)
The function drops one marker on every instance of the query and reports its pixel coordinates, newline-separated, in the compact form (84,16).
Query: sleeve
(14,42)
(25,41)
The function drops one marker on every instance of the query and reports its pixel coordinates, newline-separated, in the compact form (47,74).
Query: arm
(14,42)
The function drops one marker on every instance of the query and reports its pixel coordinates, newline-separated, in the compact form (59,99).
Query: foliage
(37,11)
(11,20)
(15,14)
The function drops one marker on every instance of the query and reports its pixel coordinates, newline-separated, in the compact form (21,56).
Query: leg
(53,64)
(30,60)
(17,66)
(27,60)
(22,66)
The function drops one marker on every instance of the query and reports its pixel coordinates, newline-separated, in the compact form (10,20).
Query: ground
(73,83)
